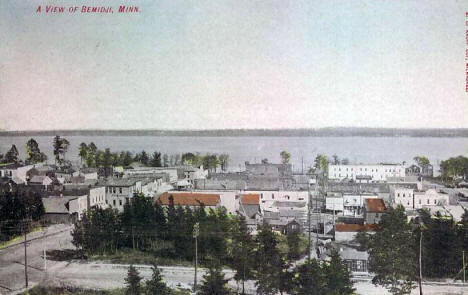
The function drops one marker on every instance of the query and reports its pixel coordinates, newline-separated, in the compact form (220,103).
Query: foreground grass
(15,239)
(130,256)
(42,290)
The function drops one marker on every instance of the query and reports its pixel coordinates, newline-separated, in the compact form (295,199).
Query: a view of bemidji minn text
(233,147)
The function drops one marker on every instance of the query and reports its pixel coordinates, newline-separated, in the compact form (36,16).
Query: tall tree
(83,152)
(421,160)
(392,253)
(12,155)
(165,160)
(321,163)
(133,281)
(156,160)
(294,246)
(156,285)
(285,157)
(309,279)
(60,148)
(242,251)
(33,153)
(269,263)
(214,283)
(224,161)
(338,278)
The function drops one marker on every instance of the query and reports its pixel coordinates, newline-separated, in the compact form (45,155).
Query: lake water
(253,149)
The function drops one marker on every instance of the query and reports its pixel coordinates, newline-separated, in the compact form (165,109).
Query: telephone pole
(196,233)
(25,253)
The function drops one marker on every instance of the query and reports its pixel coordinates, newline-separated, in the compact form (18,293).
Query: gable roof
(40,179)
(190,199)
(375,205)
(250,199)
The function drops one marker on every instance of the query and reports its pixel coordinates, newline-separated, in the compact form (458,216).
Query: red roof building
(250,199)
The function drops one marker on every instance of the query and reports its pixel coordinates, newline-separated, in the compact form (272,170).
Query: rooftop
(344,227)
(250,199)
(190,199)
(375,205)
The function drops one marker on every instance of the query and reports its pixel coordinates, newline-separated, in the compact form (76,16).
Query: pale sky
(234,64)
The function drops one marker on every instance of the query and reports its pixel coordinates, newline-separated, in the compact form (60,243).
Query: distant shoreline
(318,132)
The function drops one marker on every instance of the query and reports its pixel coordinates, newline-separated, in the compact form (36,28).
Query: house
(88,173)
(64,175)
(347,232)
(190,199)
(355,260)
(430,197)
(411,199)
(249,207)
(64,209)
(119,191)
(373,210)
(365,173)
(404,196)
(44,181)
(96,195)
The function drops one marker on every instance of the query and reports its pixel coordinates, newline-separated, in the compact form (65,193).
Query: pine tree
(214,283)
(33,153)
(156,160)
(133,281)
(242,252)
(156,285)
(338,278)
(12,155)
(309,279)
(392,253)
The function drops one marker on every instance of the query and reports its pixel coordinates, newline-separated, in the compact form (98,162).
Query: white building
(430,198)
(267,198)
(411,199)
(120,190)
(347,204)
(400,195)
(371,173)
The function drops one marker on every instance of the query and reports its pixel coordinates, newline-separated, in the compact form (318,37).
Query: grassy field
(42,290)
(17,238)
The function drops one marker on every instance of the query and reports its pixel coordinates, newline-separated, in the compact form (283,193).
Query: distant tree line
(223,240)
(17,211)
(453,168)
(93,157)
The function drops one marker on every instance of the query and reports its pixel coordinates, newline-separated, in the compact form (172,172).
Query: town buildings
(365,173)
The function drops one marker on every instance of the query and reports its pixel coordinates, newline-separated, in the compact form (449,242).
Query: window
(419,201)
(120,190)
(435,202)
(398,194)
(261,196)
(404,195)
(120,202)
(428,201)
(114,202)
(127,200)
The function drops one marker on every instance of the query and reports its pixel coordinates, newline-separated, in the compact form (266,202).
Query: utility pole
(196,233)
(308,220)
(25,254)
(420,260)
(463,267)
(45,253)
